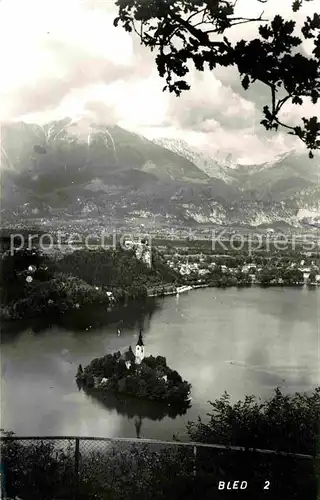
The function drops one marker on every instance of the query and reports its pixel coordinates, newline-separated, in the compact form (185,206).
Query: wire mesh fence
(121,469)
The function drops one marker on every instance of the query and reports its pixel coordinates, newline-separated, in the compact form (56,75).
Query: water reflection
(134,408)
(268,342)
(134,315)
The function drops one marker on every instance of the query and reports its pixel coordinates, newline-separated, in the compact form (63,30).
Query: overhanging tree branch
(174,28)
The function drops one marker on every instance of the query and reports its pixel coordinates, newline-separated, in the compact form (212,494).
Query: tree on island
(195,31)
(80,371)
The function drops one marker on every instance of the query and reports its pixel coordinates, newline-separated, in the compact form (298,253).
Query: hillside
(34,285)
(56,169)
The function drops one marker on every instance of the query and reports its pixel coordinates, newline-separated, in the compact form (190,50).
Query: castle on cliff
(142,250)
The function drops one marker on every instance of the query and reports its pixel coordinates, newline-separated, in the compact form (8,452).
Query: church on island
(152,379)
(131,357)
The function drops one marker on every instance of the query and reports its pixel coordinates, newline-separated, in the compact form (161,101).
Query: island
(135,375)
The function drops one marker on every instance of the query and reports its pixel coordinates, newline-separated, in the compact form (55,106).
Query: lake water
(270,335)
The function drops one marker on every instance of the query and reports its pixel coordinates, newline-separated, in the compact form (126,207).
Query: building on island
(129,357)
(139,349)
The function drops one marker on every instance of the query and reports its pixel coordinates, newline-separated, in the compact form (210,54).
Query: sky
(65,58)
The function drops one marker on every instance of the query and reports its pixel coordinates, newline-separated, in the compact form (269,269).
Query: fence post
(76,468)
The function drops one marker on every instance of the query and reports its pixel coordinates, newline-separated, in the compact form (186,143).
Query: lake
(243,341)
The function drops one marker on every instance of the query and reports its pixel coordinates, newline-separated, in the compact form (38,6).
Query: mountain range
(58,170)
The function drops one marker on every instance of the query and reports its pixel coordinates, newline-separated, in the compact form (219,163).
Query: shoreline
(6,318)
(206,285)
(99,389)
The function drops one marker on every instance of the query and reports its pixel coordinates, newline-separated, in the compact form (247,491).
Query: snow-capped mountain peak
(216,168)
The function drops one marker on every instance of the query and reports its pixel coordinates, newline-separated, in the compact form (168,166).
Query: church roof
(128,356)
(140,341)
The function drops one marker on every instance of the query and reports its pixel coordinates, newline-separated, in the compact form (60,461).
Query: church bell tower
(139,349)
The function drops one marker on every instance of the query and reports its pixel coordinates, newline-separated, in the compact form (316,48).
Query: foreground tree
(34,469)
(192,31)
(287,423)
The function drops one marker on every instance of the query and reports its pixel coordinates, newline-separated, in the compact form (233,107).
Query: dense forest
(269,275)
(118,268)
(34,284)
